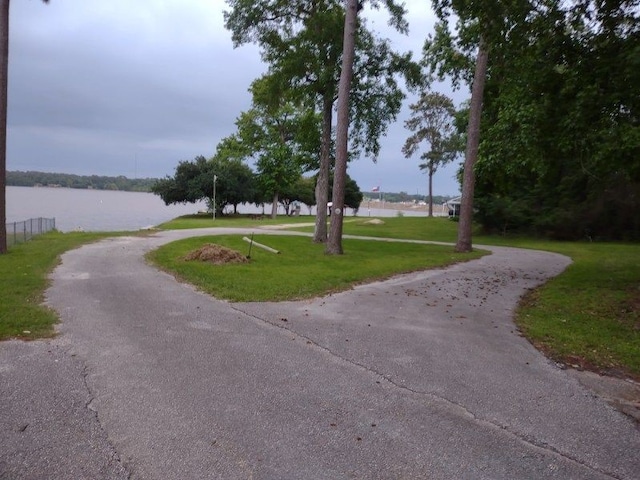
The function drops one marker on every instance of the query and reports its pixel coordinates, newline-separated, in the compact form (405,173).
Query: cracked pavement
(421,376)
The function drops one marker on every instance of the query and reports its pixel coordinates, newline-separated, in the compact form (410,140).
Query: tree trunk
(334,243)
(322,185)
(274,206)
(431,191)
(4,74)
(473,141)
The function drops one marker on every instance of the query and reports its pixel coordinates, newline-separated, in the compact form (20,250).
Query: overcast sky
(130,88)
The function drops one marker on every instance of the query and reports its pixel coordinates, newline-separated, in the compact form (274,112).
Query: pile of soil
(216,254)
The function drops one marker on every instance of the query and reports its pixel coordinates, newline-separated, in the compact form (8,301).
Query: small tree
(280,134)
(237,181)
(432,121)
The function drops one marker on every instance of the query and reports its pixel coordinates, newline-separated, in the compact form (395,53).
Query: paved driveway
(423,376)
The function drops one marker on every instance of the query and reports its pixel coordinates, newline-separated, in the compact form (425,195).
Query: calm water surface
(105,210)
(92,210)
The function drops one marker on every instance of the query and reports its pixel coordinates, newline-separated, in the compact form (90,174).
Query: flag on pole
(376,189)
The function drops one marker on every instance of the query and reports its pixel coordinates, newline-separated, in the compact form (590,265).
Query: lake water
(92,210)
(106,210)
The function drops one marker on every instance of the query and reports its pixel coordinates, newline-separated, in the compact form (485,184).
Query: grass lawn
(23,280)
(301,270)
(590,315)
(587,316)
(206,221)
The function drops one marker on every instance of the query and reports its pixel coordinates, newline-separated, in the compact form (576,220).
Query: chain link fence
(18,232)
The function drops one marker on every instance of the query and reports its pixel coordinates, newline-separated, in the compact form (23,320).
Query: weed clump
(216,254)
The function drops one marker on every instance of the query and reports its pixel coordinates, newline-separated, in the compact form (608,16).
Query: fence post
(37,226)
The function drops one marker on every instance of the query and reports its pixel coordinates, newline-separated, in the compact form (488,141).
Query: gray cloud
(131,88)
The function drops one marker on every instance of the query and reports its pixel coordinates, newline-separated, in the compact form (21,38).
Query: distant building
(453,206)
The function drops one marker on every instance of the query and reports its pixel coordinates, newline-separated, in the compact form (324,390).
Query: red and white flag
(376,189)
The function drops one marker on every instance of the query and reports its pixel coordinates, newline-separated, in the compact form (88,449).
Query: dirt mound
(216,254)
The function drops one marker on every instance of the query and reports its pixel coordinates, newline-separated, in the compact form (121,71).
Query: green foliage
(352,194)
(45,179)
(302,43)
(193,180)
(560,151)
(280,134)
(188,183)
(376,96)
(236,183)
(572,158)
(432,121)
(303,190)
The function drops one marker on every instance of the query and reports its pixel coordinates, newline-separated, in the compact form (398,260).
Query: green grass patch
(435,229)
(23,279)
(301,270)
(201,220)
(590,315)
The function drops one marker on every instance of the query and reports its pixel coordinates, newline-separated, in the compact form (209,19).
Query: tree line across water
(67,180)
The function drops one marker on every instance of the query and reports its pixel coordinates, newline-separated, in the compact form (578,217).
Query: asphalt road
(423,376)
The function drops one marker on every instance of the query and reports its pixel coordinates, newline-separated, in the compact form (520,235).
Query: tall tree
(302,43)
(432,121)
(481,27)
(334,242)
(297,41)
(4,77)
(465,225)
